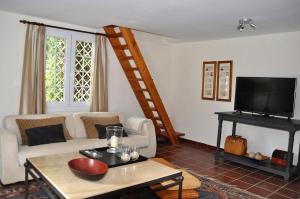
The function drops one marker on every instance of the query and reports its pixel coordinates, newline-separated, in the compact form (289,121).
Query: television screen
(271,96)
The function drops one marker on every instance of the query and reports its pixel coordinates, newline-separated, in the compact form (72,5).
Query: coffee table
(56,179)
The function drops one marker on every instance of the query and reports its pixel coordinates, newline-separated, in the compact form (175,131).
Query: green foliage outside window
(55,67)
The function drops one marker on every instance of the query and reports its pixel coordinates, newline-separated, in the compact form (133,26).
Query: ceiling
(187,20)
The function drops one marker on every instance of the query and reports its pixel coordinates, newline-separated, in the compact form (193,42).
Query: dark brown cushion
(45,135)
(90,122)
(32,123)
(101,129)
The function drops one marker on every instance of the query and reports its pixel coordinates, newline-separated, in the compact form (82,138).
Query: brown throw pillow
(89,124)
(32,123)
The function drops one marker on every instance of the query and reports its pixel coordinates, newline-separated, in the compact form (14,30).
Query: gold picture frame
(224,80)
(209,80)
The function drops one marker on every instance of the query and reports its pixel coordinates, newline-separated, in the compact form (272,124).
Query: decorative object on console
(236,145)
(280,158)
(224,80)
(87,168)
(256,156)
(208,80)
(113,137)
(45,135)
(24,124)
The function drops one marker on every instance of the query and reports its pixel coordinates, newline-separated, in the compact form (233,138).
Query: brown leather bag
(235,145)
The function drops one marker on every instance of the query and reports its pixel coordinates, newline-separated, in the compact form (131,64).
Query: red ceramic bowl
(88,168)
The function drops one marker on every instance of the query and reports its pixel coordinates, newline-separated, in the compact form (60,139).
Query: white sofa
(13,155)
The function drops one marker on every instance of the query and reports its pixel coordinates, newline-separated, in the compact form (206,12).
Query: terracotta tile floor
(200,159)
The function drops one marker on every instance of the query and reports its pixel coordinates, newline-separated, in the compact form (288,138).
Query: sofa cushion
(90,122)
(11,124)
(45,135)
(73,145)
(78,123)
(101,130)
(32,123)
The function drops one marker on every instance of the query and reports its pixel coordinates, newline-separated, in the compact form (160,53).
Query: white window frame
(70,37)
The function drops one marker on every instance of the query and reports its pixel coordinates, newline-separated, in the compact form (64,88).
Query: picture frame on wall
(224,80)
(209,80)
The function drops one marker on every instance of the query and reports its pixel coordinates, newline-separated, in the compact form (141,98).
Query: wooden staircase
(139,77)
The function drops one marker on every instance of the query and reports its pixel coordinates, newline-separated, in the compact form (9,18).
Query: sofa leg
(26,183)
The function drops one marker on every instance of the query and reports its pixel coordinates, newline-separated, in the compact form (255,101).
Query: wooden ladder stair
(139,77)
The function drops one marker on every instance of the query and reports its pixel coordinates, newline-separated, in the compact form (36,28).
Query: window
(68,70)
(83,64)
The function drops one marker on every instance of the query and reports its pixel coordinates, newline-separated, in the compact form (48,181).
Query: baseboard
(192,142)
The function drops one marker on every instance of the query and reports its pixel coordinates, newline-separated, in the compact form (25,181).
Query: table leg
(26,182)
(233,128)
(290,150)
(298,164)
(180,181)
(219,139)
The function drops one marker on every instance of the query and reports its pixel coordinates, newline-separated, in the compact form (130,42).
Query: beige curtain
(99,94)
(32,99)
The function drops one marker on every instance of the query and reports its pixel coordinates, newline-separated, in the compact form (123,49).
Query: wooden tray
(263,157)
(111,159)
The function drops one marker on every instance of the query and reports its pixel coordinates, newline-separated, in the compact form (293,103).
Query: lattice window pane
(83,67)
(55,67)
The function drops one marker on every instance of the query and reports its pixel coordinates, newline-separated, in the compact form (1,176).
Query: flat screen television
(265,95)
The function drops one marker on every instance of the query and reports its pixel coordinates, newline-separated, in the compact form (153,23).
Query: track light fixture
(244,23)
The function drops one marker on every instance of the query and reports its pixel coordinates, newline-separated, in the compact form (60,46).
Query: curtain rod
(59,27)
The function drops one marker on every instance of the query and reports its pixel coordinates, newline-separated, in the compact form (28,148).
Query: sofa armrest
(8,153)
(137,124)
(144,127)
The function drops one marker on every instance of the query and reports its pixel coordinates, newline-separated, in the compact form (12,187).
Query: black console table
(289,125)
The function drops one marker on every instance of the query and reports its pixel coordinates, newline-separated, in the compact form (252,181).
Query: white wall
(269,55)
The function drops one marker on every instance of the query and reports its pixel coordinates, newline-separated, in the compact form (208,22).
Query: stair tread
(151,108)
(178,134)
(126,58)
(132,68)
(140,90)
(116,35)
(121,47)
(135,79)
(157,118)
(159,125)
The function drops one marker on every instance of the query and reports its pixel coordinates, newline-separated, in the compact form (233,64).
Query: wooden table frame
(53,193)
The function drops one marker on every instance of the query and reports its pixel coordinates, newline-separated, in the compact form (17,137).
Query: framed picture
(209,80)
(224,80)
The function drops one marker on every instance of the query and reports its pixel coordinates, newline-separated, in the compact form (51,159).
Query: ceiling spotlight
(253,25)
(241,27)
(244,23)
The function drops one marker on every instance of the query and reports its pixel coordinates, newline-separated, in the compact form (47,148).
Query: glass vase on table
(114,136)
